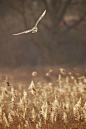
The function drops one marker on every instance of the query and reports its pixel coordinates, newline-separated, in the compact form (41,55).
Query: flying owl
(34,29)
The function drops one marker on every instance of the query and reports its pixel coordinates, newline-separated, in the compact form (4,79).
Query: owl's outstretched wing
(40,18)
(27,31)
(33,31)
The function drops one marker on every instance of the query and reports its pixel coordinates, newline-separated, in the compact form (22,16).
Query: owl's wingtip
(45,11)
(14,34)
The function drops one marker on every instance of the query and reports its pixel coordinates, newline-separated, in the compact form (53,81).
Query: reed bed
(43,104)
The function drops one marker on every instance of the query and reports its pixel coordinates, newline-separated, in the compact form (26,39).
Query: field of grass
(45,99)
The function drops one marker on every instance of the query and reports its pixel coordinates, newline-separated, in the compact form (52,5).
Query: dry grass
(58,101)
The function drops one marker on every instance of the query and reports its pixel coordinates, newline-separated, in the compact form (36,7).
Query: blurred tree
(62,16)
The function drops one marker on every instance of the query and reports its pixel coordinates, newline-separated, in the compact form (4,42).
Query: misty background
(61,36)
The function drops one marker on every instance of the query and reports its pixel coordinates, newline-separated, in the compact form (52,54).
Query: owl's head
(34,29)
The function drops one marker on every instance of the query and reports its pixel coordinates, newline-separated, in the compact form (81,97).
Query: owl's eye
(34,28)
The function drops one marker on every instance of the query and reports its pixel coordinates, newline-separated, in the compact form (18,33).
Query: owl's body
(34,29)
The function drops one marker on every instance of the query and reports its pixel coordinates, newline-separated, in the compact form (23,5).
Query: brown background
(61,37)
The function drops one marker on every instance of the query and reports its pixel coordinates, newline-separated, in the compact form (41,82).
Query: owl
(34,29)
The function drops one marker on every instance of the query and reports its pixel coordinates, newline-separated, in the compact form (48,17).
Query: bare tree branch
(46,26)
(65,23)
(13,6)
(76,23)
(58,4)
(47,6)
(54,3)
(23,13)
(64,10)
